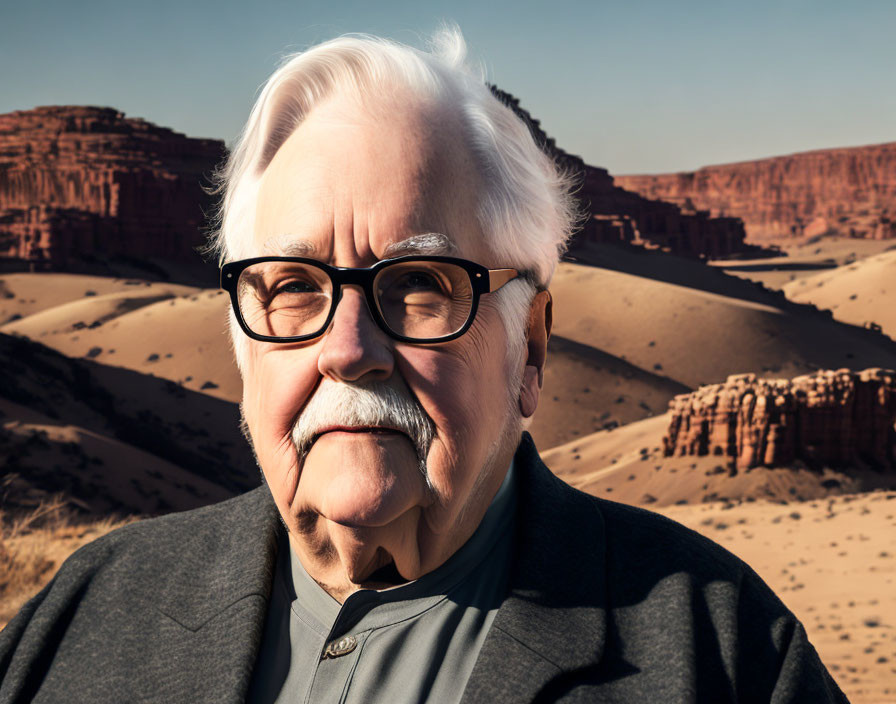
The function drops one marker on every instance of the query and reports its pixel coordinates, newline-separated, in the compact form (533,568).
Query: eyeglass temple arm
(498,277)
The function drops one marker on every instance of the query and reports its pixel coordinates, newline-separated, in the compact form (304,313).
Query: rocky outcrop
(613,214)
(850,191)
(77,180)
(832,419)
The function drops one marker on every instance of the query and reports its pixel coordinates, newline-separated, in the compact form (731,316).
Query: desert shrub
(34,544)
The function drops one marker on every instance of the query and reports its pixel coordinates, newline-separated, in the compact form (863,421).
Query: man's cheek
(277,390)
(441,383)
(272,440)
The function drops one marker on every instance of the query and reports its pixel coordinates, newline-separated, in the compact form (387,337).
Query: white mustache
(370,405)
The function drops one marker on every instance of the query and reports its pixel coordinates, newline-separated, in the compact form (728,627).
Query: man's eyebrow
(289,246)
(429,243)
(432,243)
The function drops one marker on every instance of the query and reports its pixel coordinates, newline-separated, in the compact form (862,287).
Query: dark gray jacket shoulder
(167,609)
(613,603)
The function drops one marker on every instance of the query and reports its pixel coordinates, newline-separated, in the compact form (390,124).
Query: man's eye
(295,287)
(418,281)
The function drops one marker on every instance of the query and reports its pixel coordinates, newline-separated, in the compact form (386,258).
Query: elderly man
(389,231)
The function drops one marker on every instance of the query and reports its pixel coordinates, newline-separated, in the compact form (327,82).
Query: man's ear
(540,319)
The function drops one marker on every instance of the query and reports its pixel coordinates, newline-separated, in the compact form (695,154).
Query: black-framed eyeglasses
(421,299)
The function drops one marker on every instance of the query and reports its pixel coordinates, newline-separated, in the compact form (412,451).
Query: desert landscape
(752,399)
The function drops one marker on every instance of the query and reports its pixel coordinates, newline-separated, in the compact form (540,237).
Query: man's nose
(354,347)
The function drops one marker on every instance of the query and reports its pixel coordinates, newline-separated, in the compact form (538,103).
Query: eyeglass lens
(417,299)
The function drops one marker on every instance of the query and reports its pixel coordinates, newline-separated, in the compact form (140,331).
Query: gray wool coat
(607,603)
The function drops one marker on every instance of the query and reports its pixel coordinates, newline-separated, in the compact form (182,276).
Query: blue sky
(639,86)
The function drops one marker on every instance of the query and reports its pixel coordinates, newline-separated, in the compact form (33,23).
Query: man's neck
(343,559)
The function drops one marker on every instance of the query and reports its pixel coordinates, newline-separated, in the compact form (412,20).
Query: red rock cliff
(89,180)
(829,419)
(850,191)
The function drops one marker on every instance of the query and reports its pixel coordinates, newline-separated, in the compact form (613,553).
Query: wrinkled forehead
(351,185)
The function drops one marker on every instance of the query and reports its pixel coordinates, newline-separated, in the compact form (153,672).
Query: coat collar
(232,558)
(553,621)
(213,604)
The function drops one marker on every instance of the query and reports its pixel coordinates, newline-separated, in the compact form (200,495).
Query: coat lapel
(553,622)
(213,608)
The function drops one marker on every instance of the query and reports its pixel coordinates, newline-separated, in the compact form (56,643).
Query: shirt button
(340,647)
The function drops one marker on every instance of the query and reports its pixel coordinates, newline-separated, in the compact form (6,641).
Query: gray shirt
(412,643)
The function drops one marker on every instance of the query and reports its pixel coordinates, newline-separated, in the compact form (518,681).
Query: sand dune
(673,269)
(166,330)
(577,461)
(586,390)
(641,341)
(66,423)
(183,338)
(107,476)
(776,273)
(804,258)
(26,294)
(179,334)
(89,312)
(695,337)
(841,250)
(857,293)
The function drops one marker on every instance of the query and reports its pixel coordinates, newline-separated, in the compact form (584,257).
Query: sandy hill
(673,269)
(694,336)
(88,312)
(167,330)
(858,293)
(586,390)
(25,294)
(840,250)
(113,439)
(802,258)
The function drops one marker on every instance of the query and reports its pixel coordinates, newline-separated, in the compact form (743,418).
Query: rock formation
(613,214)
(832,419)
(850,191)
(88,180)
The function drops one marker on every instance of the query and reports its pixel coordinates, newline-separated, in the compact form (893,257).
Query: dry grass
(34,544)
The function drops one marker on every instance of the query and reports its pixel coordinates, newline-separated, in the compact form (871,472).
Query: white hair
(526,209)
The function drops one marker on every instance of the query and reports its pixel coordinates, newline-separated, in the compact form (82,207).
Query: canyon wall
(87,180)
(849,191)
(613,214)
(832,419)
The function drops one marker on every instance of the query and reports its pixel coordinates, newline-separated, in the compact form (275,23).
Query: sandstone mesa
(832,418)
(76,180)
(847,191)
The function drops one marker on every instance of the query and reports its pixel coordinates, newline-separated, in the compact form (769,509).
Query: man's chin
(362,480)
